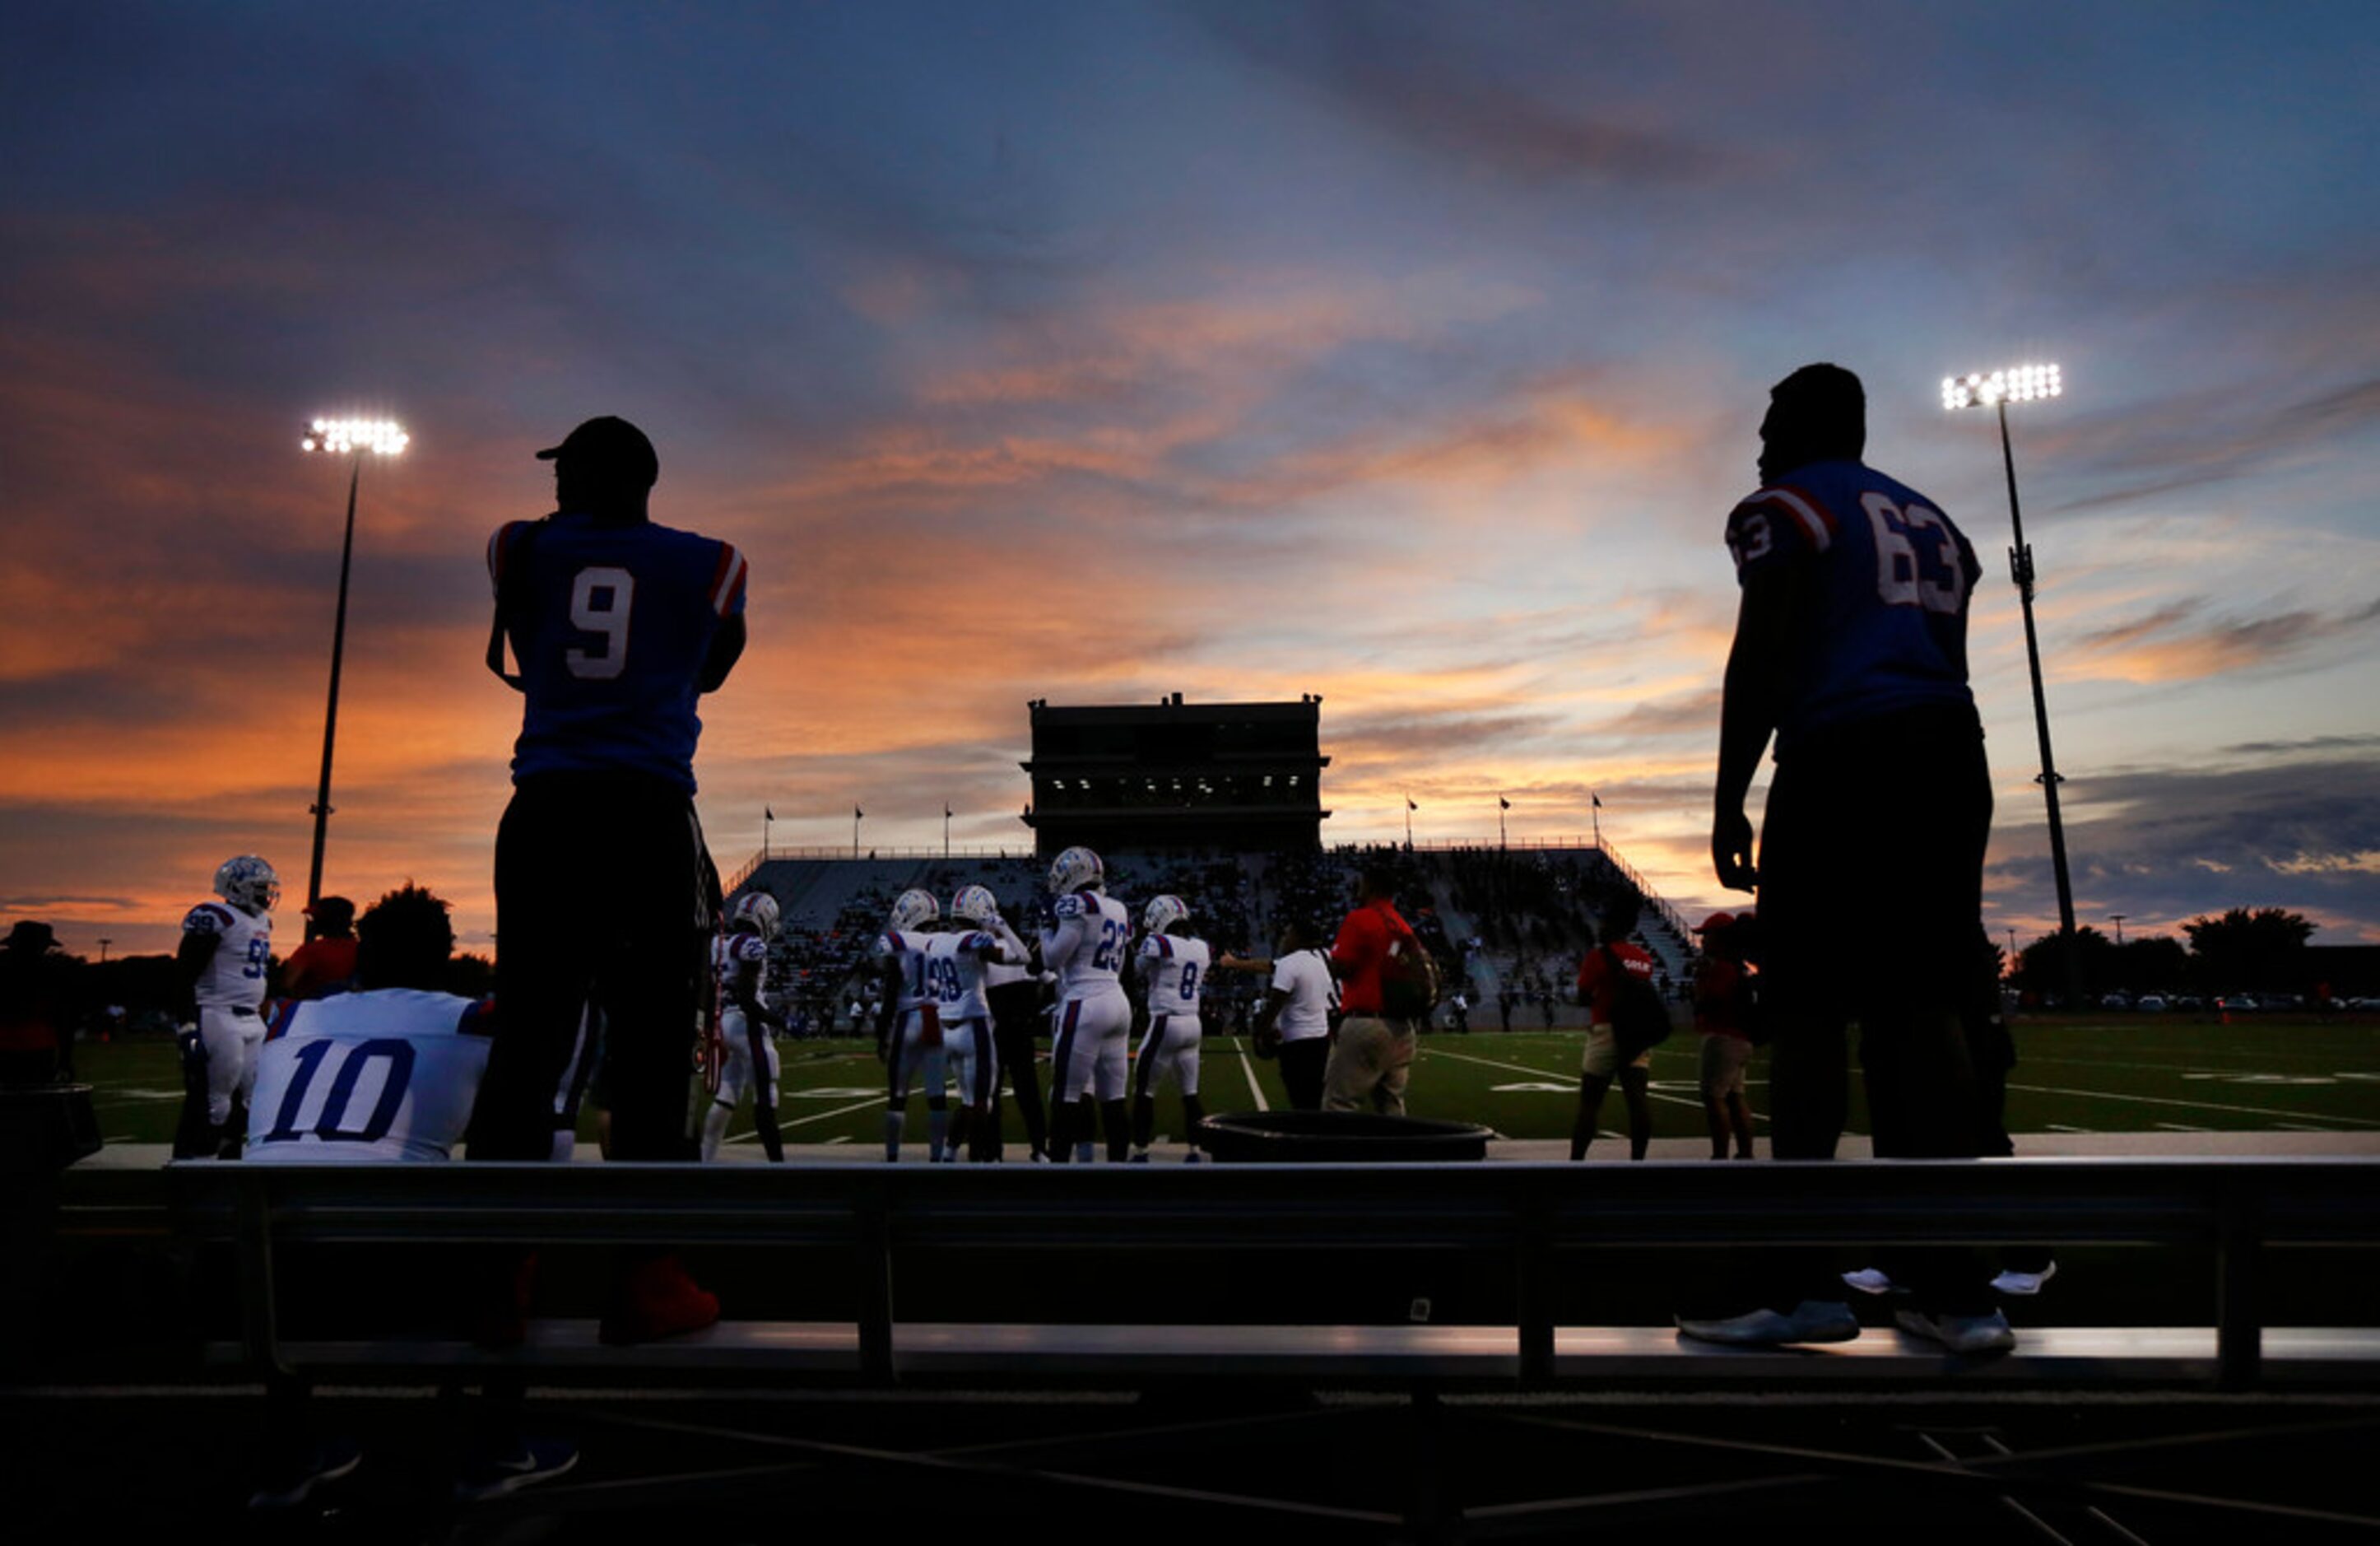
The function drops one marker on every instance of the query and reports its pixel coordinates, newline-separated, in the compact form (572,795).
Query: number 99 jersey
(386,1075)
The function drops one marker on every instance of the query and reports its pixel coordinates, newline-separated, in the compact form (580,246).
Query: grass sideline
(2096,1074)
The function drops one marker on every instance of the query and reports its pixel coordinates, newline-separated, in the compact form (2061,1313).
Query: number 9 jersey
(1893,578)
(386,1075)
(612,624)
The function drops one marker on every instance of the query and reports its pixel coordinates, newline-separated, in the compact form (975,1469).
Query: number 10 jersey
(356,1078)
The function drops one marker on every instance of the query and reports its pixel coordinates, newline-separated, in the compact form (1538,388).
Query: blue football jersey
(1894,576)
(612,624)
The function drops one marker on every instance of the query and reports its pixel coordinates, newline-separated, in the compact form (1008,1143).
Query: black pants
(1302,1062)
(1871,884)
(602,890)
(1014,1018)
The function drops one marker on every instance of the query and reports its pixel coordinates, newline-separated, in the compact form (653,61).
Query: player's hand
(1731,851)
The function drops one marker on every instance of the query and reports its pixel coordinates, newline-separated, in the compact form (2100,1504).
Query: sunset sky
(1407,354)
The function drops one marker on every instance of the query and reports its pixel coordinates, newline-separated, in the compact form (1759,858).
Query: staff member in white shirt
(1300,1005)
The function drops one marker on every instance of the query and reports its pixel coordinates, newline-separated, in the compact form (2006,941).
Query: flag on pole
(1597,798)
(767,814)
(1503,804)
(946,811)
(856,813)
(1409,804)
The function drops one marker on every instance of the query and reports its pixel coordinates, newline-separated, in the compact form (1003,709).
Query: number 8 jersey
(611,624)
(1893,580)
(386,1075)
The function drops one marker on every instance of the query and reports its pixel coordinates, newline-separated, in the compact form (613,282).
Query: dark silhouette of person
(603,886)
(1850,652)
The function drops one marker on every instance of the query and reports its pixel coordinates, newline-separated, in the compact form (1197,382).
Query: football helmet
(249,884)
(1078,868)
(1163,913)
(977,905)
(759,909)
(914,909)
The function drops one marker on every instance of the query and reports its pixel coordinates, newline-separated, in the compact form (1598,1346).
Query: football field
(2102,1075)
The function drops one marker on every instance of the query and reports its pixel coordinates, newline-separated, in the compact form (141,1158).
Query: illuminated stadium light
(1996,390)
(382,437)
(2022,383)
(355,438)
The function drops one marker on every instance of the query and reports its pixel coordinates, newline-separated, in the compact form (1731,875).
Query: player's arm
(888,1000)
(1060,943)
(199,943)
(743,991)
(726,649)
(1771,623)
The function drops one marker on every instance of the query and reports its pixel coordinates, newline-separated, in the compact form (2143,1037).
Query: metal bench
(1526,1228)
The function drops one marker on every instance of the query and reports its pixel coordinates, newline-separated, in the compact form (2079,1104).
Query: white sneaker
(2025,1285)
(1812,1321)
(1872,1279)
(1960,1333)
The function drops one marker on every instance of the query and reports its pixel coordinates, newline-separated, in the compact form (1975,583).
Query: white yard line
(2179,1127)
(1255,1091)
(2187,1105)
(839,1111)
(2062,1127)
(1555,1074)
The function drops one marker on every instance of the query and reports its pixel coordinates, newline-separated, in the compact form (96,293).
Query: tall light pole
(353,438)
(1996,390)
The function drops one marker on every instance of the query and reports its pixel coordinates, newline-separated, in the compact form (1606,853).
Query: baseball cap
(608,445)
(1714,923)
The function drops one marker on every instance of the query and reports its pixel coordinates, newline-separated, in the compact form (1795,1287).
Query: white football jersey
(385,1075)
(730,954)
(908,948)
(1087,943)
(1174,968)
(233,977)
(954,966)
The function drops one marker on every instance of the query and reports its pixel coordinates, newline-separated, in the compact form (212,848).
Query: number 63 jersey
(386,1075)
(1893,579)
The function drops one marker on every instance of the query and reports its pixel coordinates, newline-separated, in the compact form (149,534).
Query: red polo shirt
(1362,946)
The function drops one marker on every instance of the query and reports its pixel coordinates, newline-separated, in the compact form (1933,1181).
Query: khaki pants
(1368,1064)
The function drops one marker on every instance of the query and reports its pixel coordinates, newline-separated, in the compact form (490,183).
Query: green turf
(2104,1075)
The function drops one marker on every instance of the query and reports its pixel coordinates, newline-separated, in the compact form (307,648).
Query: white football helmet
(977,905)
(249,884)
(759,909)
(1078,868)
(1163,913)
(914,910)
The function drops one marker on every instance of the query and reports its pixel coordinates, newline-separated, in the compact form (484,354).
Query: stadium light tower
(354,438)
(1996,390)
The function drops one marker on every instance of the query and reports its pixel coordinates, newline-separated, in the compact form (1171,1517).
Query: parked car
(2115,1001)
(2151,1004)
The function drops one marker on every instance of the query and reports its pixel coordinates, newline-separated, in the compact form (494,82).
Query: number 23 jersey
(1086,943)
(1893,580)
(612,624)
(386,1075)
